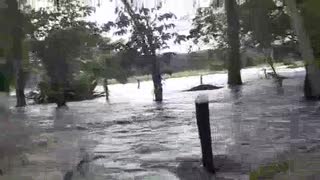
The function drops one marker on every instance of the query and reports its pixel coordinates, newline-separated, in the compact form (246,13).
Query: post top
(202,98)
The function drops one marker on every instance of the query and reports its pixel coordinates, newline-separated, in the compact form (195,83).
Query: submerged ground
(258,123)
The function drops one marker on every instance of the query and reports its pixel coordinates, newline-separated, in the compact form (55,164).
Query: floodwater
(141,139)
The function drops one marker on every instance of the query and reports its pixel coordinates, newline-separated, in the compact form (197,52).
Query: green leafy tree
(210,27)
(210,24)
(61,38)
(259,24)
(222,30)
(149,32)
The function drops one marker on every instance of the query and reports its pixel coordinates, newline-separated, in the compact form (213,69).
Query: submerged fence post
(203,122)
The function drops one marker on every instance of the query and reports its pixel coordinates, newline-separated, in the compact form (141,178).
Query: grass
(296,64)
(203,72)
(193,73)
(269,171)
(133,79)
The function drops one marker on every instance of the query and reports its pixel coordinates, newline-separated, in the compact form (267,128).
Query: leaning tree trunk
(312,79)
(156,78)
(234,61)
(17,51)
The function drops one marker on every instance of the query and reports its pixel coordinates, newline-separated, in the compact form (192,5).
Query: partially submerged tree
(260,25)
(61,37)
(222,29)
(5,66)
(15,30)
(149,32)
(234,62)
(268,22)
(307,48)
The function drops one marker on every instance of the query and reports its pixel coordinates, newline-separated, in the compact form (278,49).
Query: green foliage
(4,84)
(70,14)
(149,29)
(268,171)
(311,15)
(61,50)
(217,66)
(259,21)
(13,46)
(209,26)
(83,86)
(105,66)
(61,39)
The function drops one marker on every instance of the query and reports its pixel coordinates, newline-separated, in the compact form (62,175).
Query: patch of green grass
(191,73)
(213,68)
(217,66)
(297,64)
(269,171)
(133,79)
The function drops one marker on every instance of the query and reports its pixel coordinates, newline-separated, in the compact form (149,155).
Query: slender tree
(148,34)
(149,51)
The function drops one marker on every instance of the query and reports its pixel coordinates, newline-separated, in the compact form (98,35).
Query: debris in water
(204,87)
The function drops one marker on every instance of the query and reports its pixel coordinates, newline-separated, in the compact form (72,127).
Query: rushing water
(143,139)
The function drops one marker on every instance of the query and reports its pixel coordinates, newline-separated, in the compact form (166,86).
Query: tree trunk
(4,94)
(17,51)
(20,85)
(19,72)
(312,79)
(60,97)
(106,89)
(156,78)
(234,61)
(5,73)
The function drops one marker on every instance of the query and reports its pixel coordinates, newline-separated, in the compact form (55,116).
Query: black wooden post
(201,80)
(203,122)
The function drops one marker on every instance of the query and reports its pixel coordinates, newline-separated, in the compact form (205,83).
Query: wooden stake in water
(203,122)
(138,81)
